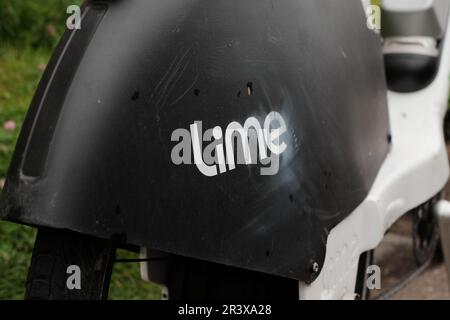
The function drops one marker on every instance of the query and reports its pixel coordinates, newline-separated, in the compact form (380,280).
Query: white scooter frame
(416,169)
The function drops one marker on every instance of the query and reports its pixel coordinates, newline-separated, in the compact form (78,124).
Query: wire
(139,260)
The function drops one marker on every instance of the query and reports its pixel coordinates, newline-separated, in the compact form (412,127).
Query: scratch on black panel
(169,81)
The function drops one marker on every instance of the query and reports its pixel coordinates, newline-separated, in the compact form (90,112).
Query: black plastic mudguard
(94,155)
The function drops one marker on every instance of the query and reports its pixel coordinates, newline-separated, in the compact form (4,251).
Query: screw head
(315,267)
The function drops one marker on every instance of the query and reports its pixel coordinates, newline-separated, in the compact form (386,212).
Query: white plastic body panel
(415,170)
(441,7)
(407,5)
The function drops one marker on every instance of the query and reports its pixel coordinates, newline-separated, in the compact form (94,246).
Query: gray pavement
(395,258)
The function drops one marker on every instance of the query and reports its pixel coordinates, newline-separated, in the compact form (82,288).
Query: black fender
(95,151)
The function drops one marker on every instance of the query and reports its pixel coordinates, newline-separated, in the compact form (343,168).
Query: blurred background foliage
(33,23)
(29,30)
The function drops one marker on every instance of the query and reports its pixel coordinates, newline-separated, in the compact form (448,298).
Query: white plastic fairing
(415,170)
(407,5)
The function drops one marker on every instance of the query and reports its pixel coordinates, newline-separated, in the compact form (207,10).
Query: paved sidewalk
(394,256)
(432,284)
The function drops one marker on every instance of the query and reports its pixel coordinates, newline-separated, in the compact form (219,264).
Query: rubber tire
(56,250)
(190,279)
(365,260)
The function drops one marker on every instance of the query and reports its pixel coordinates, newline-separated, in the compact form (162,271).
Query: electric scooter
(247,149)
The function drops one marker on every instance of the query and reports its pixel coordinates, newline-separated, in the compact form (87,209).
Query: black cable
(139,260)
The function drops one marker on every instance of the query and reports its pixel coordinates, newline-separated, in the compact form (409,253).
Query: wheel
(191,279)
(54,255)
(57,250)
(365,260)
(425,233)
(447,127)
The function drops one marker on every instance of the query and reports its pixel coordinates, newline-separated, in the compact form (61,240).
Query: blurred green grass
(20,71)
(23,56)
(33,23)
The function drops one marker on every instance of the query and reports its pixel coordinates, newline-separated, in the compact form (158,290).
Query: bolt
(315,267)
